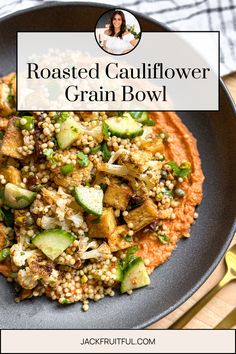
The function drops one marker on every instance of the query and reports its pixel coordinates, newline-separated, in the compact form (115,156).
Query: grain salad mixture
(91,201)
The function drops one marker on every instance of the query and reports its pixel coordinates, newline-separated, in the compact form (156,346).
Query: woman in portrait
(117,39)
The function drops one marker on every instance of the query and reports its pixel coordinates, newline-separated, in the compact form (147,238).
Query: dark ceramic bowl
(195,258)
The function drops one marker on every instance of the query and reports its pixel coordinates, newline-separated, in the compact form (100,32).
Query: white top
(117,45)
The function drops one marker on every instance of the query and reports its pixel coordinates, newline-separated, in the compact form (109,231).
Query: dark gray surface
(193,260)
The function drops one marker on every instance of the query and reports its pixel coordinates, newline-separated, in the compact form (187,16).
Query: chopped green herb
(128,238)
(1,193)
(162,158)
(61,117)
(184,172)
(185,164)
(83,159)
(180,171)
(95,149)
(17,123)
(149,122)
(105,130)
(136,115)
(131,250)
(22,253)
(4,254)
(49,153)
(130,256)
(67,168)
(173,166)
(66,302)
(28,125)
(1,135)
(165,240)
(106,154)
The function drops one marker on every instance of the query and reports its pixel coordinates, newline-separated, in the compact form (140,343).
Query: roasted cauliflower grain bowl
(91,202)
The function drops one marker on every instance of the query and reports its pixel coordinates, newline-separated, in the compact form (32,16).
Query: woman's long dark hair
(123,25)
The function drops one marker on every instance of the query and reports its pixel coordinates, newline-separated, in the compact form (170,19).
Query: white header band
(165,72)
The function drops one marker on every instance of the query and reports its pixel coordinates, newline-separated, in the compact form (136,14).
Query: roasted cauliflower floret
(27,279)
(136,161)
(19,256)
(49,196)
(103,251)
(44,269)
(80,175)
(152,176)
(92,249)
(38,268)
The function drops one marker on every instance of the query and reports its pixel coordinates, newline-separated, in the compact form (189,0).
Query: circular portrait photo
(118,32)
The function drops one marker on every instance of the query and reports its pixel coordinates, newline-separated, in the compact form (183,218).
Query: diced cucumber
(90,199)
(142,117)
(16,197)
(124,127)
(53,242)
(69,132)
(139,116)
(118,274)
(135,276)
